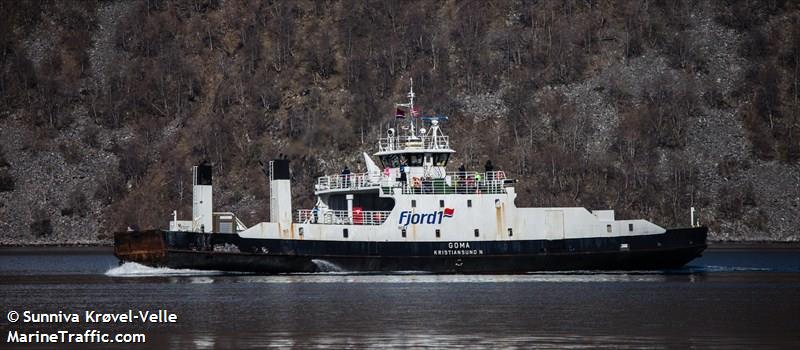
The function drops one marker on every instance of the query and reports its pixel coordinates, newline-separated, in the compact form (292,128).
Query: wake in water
(686,270)
(132,269)
(327,266)
(717,268)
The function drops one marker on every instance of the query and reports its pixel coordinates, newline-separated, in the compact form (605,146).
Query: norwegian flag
(448,212)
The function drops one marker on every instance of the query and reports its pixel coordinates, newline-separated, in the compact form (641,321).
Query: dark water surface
(726,299)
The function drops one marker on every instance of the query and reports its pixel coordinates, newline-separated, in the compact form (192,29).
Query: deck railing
(467,182)
(341,217)
(419,142)
(489,175)
(345,181)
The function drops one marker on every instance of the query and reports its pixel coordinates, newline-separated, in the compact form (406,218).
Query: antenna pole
(411,109)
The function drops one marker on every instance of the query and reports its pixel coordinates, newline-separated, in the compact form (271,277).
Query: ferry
(410,213)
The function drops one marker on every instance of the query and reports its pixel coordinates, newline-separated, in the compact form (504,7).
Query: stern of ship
(145,247)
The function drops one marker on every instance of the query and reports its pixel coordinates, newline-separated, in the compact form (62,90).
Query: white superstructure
(409,195)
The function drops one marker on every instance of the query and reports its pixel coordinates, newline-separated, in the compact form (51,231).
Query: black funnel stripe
(280,169)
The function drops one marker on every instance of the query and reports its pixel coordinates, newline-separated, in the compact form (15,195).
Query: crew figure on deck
(489,167)
(403,171)
(346,174)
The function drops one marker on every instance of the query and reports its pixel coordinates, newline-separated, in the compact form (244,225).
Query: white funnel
(280,191)
(202,209)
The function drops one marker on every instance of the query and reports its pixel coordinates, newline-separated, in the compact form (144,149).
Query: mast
(412,135)
(411,109)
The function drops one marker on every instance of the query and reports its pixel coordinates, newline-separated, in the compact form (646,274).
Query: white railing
(347,181)
(488,176)
(466,182)
(341,217)
(418,142)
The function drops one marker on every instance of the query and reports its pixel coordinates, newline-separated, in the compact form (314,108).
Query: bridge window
(392,161)
(440,159)
(438,233)
(630,227)
(345,233)
(413,159)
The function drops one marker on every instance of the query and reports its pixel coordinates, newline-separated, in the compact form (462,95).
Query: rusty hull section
(146,247)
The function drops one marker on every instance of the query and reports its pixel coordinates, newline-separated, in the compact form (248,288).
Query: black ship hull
(229,252)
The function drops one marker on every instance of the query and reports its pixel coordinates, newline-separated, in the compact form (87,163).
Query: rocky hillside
(645,107)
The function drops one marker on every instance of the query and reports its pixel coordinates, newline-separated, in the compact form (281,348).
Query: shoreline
(57,249)
(732,245)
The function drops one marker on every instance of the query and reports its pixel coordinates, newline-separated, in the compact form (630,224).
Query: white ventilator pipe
(349,207)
